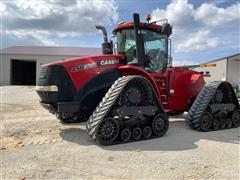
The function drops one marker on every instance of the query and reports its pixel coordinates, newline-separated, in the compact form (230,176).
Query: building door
(23,72)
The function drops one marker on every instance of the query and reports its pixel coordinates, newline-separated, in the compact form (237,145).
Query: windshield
(155,47)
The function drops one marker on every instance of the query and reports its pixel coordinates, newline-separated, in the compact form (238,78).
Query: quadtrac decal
(94,64)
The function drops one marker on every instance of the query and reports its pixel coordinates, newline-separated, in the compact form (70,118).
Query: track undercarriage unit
(215,108)
(130,111)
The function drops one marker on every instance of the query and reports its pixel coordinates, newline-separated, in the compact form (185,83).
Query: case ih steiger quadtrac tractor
(127,95)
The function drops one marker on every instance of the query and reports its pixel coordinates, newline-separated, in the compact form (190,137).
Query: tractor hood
(101,59)
(82,69)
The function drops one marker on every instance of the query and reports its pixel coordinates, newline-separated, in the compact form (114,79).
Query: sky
(202,30)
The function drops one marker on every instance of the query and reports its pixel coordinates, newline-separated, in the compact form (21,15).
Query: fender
(101,81)
(134,70)
(186,84)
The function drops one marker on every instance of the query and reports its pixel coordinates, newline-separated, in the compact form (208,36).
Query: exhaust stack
(106,45)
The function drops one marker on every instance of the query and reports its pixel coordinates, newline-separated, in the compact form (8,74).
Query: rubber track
(105,105)
(201,103)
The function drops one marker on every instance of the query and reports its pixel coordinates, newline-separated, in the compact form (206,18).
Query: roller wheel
(137,133)
(147,132)
(126,135)
(236,118)
(228,123)
(159,125)
(215,124)
(206,121)
(107,131)
(222,123)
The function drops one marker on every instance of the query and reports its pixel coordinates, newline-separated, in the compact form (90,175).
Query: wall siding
(218,73)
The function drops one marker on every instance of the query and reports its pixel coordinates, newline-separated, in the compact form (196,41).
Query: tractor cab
(143,44)
(155,49)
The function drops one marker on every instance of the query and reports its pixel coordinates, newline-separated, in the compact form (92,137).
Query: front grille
(56,75)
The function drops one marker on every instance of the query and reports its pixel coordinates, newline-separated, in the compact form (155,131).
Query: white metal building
(227,69)
(20,65)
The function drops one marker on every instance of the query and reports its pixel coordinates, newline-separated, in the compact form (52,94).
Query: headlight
(52,88)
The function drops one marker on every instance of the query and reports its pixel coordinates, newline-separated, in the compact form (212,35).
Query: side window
(155,51)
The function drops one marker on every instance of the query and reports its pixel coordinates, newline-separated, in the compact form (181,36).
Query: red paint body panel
(176,87)
(186,85)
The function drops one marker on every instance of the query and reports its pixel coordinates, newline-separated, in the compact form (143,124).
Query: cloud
(43,21)
(211,15)
(193,27)
(198,41)
(19,37)
(183,62)
(179,13)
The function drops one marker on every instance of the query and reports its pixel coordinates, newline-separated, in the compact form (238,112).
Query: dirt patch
(35,145)
(10,143)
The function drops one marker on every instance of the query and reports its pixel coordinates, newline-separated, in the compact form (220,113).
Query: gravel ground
(34,145)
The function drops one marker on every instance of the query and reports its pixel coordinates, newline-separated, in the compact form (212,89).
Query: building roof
(220,59)
(211,61)
(51,50)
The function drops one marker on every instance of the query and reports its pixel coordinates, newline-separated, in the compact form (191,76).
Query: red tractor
(128,95)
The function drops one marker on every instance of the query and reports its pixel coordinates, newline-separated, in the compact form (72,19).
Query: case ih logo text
(91,65)
(110,61)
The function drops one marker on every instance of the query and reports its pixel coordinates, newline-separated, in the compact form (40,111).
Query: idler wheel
(206,121)
(107,131)
(137,133)
(126,135)
(236,118)
(159,125)
(215,124)
(147,132)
